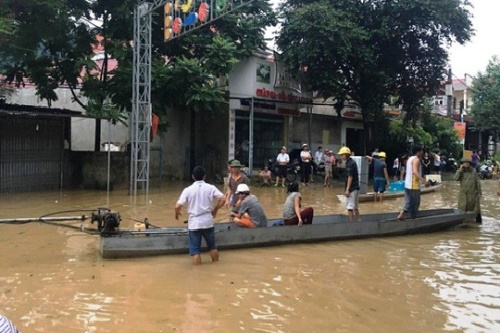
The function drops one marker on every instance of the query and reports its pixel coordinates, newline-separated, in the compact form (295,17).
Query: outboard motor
(107,220)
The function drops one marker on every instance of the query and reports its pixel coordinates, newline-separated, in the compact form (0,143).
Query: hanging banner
(181,16)
(460,128)
(154,125)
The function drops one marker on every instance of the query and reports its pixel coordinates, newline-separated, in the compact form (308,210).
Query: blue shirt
(378,168)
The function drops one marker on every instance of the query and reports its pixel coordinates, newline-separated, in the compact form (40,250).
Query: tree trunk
(192,140)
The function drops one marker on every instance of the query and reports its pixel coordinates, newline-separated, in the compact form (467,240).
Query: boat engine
(107,220)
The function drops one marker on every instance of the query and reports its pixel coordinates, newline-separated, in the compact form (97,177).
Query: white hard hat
(242,188)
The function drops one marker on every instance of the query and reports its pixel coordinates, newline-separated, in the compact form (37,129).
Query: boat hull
(390,195)
(324,228)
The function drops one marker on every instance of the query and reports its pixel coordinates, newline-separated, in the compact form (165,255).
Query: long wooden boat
(391,195)
(157,241)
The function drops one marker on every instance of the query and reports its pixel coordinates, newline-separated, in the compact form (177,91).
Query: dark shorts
(281,170)
(379,184)
(195,240)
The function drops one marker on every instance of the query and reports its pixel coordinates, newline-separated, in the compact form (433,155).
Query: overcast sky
(474,55)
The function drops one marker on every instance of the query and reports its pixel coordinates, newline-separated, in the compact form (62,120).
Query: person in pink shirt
(329,163)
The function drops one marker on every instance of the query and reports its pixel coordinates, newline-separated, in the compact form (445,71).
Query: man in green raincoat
(470,189)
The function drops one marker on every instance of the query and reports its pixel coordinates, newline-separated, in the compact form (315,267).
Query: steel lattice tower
(140,119)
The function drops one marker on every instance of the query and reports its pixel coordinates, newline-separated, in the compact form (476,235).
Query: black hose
(84,230)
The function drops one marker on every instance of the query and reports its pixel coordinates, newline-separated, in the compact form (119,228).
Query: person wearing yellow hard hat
(351,184)
(380,175)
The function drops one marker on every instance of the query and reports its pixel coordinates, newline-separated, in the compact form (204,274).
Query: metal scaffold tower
(180,18)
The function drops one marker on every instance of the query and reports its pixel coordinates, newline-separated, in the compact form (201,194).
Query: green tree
(485,110)
(368,50)
(443,134)
(431,131)
(47,44)
(53,46)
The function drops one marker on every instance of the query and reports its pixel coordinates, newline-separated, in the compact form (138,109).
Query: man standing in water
(199,200)
(470,189)
(236,178)
(413,177)
(351,184)
(380,175)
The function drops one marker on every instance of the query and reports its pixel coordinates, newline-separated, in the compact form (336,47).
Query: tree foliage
(432,132)
(54,42)
(368,50)
(47,44)
(485,110)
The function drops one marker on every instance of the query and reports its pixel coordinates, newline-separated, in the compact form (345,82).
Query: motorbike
(485,171)
(450,164)
(292,169)
(319,169)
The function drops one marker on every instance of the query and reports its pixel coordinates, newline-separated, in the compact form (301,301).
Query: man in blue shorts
(380,176)
(199,200)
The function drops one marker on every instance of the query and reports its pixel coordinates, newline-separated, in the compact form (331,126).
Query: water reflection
(467,281)
(53,280)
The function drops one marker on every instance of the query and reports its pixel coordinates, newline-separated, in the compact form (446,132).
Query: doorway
(355,140)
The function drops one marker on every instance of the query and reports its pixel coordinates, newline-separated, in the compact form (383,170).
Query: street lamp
(449,93)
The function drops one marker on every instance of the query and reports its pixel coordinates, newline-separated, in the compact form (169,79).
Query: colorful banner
(460,128)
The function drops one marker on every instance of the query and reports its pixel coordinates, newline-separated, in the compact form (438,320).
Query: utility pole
(449,93)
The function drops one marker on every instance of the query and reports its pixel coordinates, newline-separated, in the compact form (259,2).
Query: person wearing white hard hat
(305,164)
(351,184)
(329,164)
(282,159)
(380,175)
(250,213)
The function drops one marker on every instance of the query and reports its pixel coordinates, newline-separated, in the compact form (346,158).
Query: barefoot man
(413,178)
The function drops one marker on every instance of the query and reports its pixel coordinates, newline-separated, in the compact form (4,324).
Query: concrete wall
(211,145)
(89,170)
(175,147)
(325,131)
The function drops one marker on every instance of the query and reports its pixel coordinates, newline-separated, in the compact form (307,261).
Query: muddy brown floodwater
(52,279)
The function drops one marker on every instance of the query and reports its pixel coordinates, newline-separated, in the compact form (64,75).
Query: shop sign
(460,128)
(281,96)
(352,114)
(283,78)
(288,112)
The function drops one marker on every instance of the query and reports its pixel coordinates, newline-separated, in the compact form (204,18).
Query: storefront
(263,99)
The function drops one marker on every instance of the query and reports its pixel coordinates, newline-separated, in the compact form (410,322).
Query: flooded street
(52,279)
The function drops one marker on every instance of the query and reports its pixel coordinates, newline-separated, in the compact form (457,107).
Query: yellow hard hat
(344,150)
(382,155)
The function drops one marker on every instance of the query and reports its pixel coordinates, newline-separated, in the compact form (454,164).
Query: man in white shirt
(318,155)
(282,159)
(305,165)
(199,199)
(6,326)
